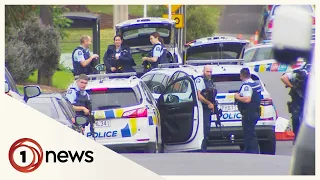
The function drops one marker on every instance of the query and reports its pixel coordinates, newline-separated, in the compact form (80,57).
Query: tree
(198,22)
(30,47)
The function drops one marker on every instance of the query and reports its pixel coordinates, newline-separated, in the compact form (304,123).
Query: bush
(199,22)
(40,47)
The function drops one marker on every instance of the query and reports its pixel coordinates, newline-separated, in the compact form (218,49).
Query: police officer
(297,96)
(78,97)
(249,99)
(205,87)
(81,59)
(118,58)
(158,52)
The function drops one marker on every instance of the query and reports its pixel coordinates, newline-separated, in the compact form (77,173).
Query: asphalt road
(240,19)
(220,161)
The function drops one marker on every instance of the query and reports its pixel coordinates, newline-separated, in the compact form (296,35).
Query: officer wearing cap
(206,93)
(158,53)
(249,99)
(118,58)
(78,97)
(81,58)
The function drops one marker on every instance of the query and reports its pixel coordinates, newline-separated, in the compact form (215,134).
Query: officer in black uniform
(248,100)
(79,98)
(297,81)
(118,58)
(206,93)
(158,54)
(81,59)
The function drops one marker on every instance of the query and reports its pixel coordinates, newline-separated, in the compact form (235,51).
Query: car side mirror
(31,91)
(100,67)
(159,89)
(81,120)
(7,87)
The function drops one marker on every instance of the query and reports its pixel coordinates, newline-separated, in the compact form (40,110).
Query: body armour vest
(77,67)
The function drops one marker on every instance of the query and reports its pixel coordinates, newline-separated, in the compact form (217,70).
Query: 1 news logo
(28,151)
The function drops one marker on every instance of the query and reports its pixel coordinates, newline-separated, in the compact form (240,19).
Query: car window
(146,91)
(248,55)
(10,81)
(181,90)
(65,109)
(264,53)
(308,8)
(48,108)
(147,78)
(228,83)
(111,98)
(156,80)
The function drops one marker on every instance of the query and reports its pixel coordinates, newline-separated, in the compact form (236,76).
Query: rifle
(91,119)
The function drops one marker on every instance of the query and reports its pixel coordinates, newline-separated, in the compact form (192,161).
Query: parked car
(55,106)
(136,34)
(270,19)
(30,91)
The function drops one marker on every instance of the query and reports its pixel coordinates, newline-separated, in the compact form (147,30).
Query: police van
(136,35)
(125,113)
(181,112)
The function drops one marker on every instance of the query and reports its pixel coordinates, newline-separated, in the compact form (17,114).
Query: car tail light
(135,113)
(99,89)
(266,102)
(313,20)
(270,7)
(270,24)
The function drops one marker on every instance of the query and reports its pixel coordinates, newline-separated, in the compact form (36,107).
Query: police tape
(273,67)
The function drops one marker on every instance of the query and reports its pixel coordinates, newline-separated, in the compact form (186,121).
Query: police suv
(126,115)
(181,111)
(136,34)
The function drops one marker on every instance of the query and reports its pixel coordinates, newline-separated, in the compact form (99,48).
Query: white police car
(136,34)
(126,115)
(181,111)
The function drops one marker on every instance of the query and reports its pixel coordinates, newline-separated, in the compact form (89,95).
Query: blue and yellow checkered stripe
(104,114)
(270,67)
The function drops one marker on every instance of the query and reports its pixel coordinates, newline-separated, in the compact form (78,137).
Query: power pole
(45,77)
(120,14)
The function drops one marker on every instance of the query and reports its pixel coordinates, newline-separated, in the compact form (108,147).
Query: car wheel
(268,146)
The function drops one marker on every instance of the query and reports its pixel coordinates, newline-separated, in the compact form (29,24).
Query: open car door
(178,107)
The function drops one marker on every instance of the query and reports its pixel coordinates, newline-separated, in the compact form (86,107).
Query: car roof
(198,70)
(262,45)
(144,21)
(44,95)
(114,83)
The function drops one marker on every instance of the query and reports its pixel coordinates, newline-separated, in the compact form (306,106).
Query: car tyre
(268,146)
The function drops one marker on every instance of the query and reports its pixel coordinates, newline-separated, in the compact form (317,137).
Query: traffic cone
(256,37)
(283,130)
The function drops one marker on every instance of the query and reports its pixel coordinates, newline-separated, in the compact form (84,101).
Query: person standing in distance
(249,99)
(205,91)
(81,59)
(158,53)
(118,58)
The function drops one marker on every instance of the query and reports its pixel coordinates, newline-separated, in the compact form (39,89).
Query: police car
(126,115)
(261,58)
(216,47)
(181,111)
(136,34)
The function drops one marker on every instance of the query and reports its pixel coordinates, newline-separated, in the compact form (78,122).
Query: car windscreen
(47,108)
(230,83)
(112,98)
(215,51)
(308,8)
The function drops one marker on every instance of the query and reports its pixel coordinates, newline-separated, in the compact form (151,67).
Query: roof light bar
(216,61)
(111,75)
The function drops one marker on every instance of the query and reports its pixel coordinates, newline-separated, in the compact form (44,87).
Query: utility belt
(245,111)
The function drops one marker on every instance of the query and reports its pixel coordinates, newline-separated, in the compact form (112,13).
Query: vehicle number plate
(228,107)
(103,123)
